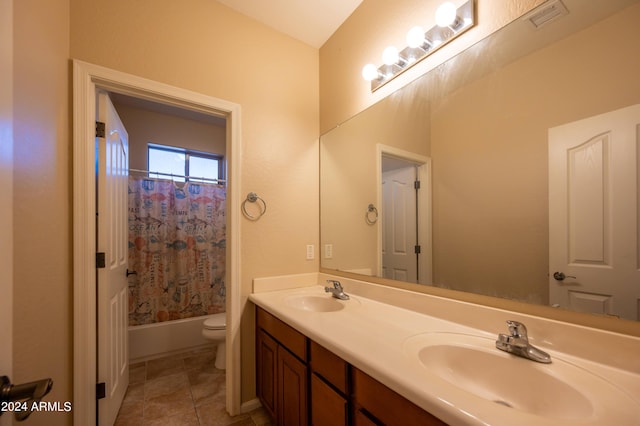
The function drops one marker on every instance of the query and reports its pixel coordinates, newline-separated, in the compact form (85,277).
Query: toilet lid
(216,322)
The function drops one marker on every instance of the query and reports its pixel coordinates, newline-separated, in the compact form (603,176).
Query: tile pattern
(181,390)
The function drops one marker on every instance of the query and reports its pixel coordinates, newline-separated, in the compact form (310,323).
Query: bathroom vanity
(298,381)
(390,356)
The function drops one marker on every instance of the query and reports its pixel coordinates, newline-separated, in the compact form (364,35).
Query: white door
(113,164)
(399,226)
(593,214)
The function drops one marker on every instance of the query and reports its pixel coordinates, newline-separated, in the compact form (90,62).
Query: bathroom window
(165,161)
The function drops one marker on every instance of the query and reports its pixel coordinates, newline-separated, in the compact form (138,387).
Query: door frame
(87,79)
(423,165)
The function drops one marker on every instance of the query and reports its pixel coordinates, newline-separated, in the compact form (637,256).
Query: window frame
(188,153)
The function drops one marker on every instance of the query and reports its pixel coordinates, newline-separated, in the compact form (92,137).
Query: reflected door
(593,214)
(399,225)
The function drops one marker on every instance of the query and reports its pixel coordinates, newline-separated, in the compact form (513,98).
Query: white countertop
(382,340)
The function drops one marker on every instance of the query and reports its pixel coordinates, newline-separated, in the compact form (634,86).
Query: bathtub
(165,338)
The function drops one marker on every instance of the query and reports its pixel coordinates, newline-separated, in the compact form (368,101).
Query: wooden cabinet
(292,390)
(377,404)
(281,371)
(266,371)
(299,382)
(329,387)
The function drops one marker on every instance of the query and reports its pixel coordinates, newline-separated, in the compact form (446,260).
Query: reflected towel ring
(371,216)
(252,197)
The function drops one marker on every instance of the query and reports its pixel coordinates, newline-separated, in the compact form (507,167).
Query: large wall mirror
(526,150)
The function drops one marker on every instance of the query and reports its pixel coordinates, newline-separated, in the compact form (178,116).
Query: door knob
(24,395)
(560,276)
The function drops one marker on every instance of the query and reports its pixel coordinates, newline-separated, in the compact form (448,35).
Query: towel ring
(252,197)
(371,216)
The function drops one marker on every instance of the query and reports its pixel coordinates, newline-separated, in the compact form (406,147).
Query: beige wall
(374,25)
(145,126)
(204,47)
(6,177)
(210,49)
(43,285)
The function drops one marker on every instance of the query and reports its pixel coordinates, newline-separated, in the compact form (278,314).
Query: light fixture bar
(434,38)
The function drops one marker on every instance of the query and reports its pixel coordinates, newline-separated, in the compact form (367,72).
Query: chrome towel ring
(371,216)
(252,197)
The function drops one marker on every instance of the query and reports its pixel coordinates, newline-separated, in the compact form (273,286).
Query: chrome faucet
(517,343)
(337,291)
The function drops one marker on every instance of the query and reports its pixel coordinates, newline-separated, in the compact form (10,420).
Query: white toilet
(215,329)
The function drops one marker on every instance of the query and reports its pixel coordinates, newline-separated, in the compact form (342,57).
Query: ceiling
(310,21)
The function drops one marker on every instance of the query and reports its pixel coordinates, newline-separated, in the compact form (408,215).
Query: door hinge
(100,129)
(416,184)
(101,260)
(417,249)
(101,390)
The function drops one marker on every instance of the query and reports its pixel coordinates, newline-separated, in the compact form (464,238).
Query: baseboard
(249,406)
(207,346)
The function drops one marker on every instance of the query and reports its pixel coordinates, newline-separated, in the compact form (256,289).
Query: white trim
(423,164)
(87,78)
(251,405)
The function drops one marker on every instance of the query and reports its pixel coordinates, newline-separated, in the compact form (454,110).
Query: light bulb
(415,37)
(446,14)
(369,72)
(390,55)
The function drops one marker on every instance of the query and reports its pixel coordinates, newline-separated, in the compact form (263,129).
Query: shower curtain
(176,249)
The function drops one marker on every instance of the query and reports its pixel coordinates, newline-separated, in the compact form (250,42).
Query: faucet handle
(517,329)
(336,284)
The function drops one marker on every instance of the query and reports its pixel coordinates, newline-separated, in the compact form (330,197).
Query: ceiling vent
(546,13)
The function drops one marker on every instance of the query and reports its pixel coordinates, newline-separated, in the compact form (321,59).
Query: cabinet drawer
(386,405)
(330,366)
(289,337)
(328,407)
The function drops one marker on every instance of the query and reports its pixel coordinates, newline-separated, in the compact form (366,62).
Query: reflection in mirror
(485,122)
(405,228)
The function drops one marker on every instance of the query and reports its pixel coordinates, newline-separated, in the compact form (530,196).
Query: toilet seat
(216,322)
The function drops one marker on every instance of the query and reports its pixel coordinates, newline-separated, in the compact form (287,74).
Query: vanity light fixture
(450,23)
(446,14)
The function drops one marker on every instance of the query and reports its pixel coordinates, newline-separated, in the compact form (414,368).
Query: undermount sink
(315,303)
(560,391)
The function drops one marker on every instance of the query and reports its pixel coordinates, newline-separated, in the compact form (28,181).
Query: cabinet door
(266,371)
(328,407)
(292,390)
(387,406)
(361,419)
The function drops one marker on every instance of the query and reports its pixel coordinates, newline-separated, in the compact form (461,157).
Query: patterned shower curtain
(177,242)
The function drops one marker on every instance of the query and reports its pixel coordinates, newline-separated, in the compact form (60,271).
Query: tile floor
(177,390)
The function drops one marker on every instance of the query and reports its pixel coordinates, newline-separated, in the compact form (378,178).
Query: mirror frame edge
(615,325)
